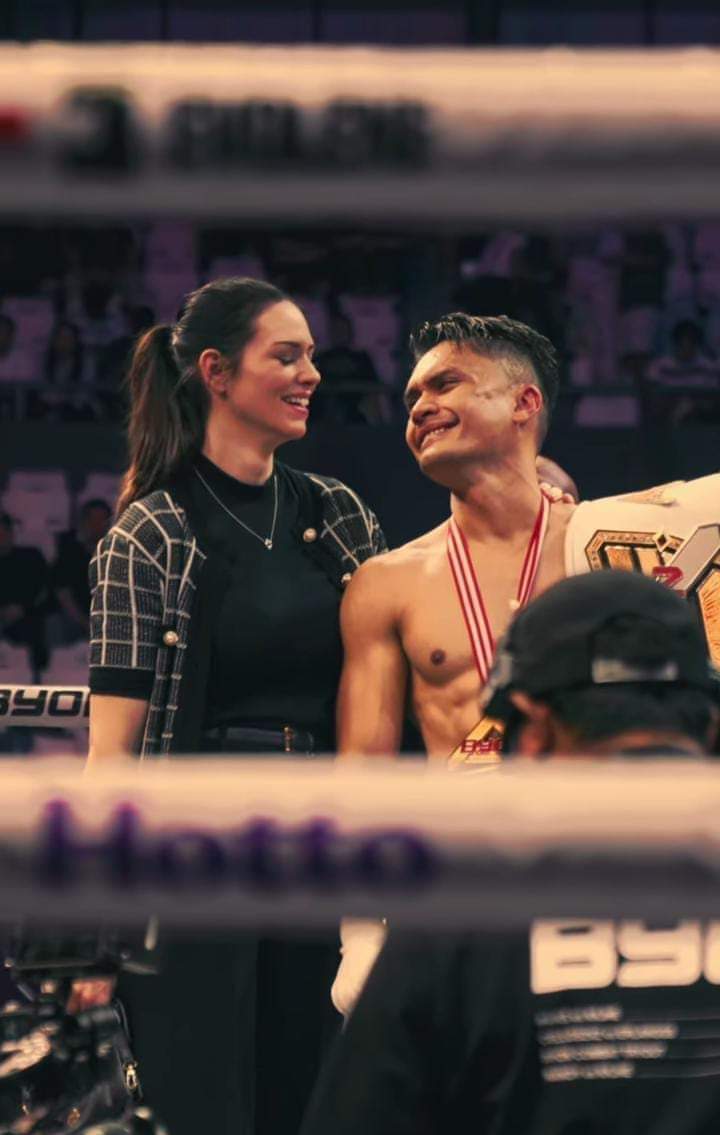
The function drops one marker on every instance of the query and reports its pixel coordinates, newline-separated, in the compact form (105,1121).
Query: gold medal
(482,746)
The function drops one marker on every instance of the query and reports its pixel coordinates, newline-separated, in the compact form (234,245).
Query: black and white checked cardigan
(152,588)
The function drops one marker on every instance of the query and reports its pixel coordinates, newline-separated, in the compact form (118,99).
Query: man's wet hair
(497,337)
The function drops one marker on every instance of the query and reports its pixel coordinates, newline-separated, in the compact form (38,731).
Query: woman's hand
(555,494)
(555,482)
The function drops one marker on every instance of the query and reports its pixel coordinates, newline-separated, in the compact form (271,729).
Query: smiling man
(420,623)
(423,620)
(425,617)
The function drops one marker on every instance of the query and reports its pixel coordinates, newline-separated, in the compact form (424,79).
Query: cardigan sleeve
(126,616)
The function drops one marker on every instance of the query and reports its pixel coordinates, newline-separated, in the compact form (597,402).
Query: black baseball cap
(552,645)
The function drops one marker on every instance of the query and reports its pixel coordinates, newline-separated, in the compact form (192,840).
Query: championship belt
(481,748)
(670,532)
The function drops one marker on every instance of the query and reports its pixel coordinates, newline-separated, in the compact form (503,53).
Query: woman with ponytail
(214,628)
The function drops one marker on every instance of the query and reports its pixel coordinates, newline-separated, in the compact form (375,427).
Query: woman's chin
(293,431)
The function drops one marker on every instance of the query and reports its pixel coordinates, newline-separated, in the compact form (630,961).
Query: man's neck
(239,452)
(497,503)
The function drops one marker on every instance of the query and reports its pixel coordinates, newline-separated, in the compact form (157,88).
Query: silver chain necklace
(266,540)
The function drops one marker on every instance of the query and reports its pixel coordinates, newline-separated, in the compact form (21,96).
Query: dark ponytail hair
(168,400)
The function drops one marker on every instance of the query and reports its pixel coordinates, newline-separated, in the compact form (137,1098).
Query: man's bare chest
(433,627)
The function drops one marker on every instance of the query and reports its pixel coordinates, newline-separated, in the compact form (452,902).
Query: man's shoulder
(409,558)
(418,550)
(385,581)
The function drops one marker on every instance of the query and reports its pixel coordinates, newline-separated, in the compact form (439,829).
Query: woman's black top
(275,643)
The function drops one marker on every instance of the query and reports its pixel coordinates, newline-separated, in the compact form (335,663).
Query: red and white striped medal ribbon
(468,588)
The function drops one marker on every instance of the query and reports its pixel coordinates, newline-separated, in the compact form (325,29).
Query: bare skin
(401,615)
(403,628)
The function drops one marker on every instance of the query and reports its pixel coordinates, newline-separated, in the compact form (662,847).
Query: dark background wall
(508,22)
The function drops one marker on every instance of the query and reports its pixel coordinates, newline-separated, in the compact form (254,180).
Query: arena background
(633,304)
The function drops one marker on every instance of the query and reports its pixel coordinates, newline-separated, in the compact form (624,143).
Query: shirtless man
(479,401)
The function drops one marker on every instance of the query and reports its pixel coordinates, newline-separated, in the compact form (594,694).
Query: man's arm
(371,705)
(371,698)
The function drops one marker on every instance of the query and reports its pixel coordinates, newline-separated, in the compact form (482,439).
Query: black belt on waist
(249,739)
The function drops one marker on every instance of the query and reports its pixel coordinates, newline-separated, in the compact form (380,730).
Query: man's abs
(445,716)
(444,680)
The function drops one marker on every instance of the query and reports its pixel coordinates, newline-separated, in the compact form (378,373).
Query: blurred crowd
(635,313)
(45,606)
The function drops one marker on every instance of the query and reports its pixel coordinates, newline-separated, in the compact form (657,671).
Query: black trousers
(230,1035)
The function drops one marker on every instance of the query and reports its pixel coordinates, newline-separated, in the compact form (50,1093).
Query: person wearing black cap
(23,595)
(604,663)
(467,1033)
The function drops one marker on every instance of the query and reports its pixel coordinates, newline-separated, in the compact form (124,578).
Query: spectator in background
(113,361)
(95,307)
(23,595)
(643,266)
(69,573)
(63,397)
(538,279)
(692,367)
(98,313)
(346,371)
(690,363)
(64,356)
(526,284)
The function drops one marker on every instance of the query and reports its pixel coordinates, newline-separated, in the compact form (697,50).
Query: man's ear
(528,402)
(536,736)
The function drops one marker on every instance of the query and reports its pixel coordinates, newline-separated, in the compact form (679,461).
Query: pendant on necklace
(268,543)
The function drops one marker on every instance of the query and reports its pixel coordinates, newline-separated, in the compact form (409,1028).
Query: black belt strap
(249,739)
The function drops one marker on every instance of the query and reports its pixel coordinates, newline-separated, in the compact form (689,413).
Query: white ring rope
(329,133)
(299,844)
